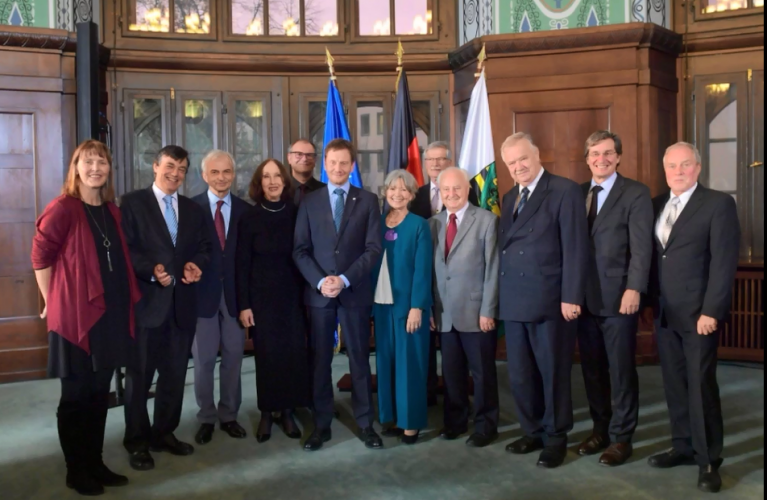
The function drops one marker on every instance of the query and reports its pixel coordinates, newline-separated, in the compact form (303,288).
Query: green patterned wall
(38,13)
(518,16)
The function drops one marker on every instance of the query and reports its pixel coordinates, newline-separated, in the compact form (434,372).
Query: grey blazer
(466,285)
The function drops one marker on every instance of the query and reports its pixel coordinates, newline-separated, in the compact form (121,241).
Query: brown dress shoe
(617,454)
(593,445)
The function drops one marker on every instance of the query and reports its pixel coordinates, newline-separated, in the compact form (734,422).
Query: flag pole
(400,53)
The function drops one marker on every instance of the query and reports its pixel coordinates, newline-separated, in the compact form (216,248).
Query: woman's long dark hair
(256,190)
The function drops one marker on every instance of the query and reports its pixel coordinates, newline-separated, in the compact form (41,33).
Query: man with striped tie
(544,248)
(697,243)
(168,245)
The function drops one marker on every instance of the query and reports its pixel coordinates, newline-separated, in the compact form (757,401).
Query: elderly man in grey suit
(465,308)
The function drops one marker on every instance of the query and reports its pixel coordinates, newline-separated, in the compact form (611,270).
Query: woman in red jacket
(86,279)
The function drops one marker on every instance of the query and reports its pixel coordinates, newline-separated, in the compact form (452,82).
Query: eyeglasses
(606,154)
(436,160)
(300,155)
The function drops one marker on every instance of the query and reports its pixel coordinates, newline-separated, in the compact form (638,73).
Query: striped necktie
(170,218)
(338,213)
(521,202)
(668,223)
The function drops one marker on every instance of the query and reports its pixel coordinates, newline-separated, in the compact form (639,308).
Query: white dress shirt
(684,199)
(159,194)
(458,215)
(533,184)
(606,186)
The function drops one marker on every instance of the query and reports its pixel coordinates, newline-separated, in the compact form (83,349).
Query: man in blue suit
(544,249)
(217,324)
(337,243)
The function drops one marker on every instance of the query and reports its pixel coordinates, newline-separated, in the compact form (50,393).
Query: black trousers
(463,353)
(355,329)
(689,362)
(82,417)
(164,350)
(540,359)
(608,348)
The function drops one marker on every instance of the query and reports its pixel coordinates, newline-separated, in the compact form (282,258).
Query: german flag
(403,147)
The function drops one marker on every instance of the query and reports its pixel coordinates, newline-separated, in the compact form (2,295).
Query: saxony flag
(477,155)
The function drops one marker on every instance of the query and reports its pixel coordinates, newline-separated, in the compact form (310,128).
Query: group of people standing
(144,285)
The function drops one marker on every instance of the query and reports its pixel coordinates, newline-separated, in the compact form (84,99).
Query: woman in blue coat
(402,309)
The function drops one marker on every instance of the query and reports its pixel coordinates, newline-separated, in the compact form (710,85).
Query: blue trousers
(402,363)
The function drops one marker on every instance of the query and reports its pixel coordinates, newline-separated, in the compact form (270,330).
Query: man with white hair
(544,248)
(697,243)
(217,324)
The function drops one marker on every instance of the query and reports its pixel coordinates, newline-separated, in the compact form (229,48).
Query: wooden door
(755,176)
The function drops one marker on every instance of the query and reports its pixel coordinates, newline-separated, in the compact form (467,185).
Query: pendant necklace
(273,211)
(106,241)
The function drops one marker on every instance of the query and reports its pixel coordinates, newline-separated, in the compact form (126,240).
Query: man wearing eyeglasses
(302,157)
(620,219)
(427,203)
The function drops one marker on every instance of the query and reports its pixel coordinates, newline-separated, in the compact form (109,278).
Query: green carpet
(32,466)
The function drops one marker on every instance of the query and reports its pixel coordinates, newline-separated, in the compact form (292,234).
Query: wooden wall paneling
(742,335)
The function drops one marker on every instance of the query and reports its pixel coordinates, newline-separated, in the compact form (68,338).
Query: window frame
(356,37)
(211,36)
(747,11)
(230,36)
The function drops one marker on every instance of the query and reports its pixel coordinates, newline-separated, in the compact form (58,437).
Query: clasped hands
(192,274)
(332,287)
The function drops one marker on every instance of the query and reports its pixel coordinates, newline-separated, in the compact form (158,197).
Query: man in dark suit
(337,243)
(427,203)
(544,257)
(168,246)
(697,241)
(620,219)
(302,157)
(217,323)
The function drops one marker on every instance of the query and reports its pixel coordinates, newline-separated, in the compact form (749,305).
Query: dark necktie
(301,192)
(521,202)
(218,220)
(338,214)
(594,204)
(452,230)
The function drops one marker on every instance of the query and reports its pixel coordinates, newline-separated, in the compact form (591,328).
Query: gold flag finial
(481,61)
(400,53)
(329,60)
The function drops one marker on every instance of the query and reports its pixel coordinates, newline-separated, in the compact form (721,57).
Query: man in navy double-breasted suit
(543,262)
(337,243)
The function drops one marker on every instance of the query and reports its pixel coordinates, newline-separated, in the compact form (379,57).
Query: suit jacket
(219,272)
(544,253)
(694,274)
(421,205)
(411,265)
(466,284)
(149,244)
(319,251)
(311,185)
(621,246)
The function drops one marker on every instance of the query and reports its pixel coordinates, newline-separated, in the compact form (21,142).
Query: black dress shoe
(594,444)
(478,440)
(234,429)
(525,446)
(317,439)
(709,480)
(553,456)
(393,432)
(617,454)
(264,432)
(410,440)
(84,483)
(289,426)
(670,459)
(173,446)
(205,434)
(451,434)
(371,439)
(106,477)
(141,461)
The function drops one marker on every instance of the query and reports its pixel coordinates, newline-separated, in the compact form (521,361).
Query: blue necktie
(338,213)
(522,202)
(170,218)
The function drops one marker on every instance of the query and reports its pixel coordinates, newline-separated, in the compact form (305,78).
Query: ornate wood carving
(37,38)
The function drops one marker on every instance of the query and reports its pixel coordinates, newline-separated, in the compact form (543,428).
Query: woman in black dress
(79,256)
(269,289)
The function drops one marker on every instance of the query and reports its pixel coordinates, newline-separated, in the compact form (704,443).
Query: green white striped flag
(477,154)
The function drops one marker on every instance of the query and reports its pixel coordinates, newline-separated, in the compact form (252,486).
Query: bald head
(454,188)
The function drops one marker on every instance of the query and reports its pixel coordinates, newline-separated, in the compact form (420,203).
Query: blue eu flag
(337,128)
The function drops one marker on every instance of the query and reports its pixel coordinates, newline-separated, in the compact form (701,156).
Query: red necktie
(452,230)
(218,220)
